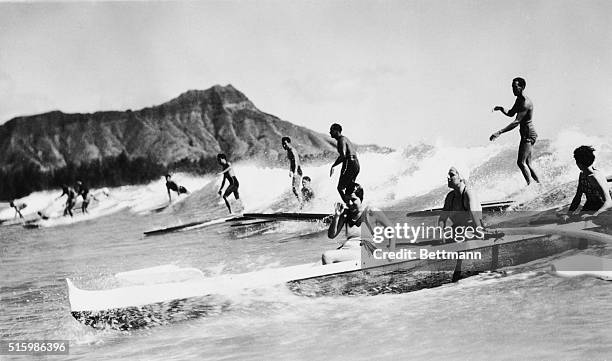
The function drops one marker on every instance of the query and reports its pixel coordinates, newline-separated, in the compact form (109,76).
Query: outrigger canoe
(144,305)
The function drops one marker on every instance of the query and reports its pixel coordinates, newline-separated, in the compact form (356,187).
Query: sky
(391,72)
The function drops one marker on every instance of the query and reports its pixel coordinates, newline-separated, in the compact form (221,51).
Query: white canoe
(583,265)
(140,295)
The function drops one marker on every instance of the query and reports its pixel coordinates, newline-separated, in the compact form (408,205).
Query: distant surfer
(523,109)
(307,192)
(348,157)
(350,217)
(71,199)
(461,206)
(592,183)
(295,169)
(172,186)
(18,208)
(228,174)
(83,191)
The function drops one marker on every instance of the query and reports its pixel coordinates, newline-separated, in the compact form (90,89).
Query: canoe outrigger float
(185,293)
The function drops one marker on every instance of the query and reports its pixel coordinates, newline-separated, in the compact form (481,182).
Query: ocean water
(524,313)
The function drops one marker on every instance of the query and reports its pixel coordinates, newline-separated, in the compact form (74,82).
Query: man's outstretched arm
(510,126)
(509,113)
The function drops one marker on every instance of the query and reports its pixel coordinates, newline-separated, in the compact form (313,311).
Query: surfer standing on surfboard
(83,191)
(295,169)
(592,184)
(523,109)
(172,186)
(18,207)
(460,205)
(228,174)
(348,157)
(70,201)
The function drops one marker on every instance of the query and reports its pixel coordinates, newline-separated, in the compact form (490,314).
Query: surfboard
(190,225)
(489,206)
(208,223)
(172,228)
(288,216)
(251,222)
(583,265)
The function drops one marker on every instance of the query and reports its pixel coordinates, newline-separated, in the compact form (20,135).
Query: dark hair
(221,156)
(286,139)
(336,126)
(12,204)
(355,188)
(584,155)
(306,178)
(168,175)
(521,82)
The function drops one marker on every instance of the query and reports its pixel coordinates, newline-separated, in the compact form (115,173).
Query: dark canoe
(287,216)
(487,207)
(386,276)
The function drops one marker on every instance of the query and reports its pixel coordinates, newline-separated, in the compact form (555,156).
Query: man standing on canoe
(295,169)
(523,109)
(228,174)
(348,157)
(460,205)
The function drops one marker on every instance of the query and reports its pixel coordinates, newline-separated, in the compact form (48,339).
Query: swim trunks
(232,188)
(350,170)
(528,133)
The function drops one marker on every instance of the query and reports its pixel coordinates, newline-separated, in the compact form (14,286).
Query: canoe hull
(160,313)
(413,275)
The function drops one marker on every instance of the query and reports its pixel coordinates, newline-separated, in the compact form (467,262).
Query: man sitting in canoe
(350,217)
(592,184)
(307,192)
(461,205)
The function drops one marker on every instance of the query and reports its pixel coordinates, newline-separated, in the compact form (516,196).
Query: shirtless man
(228,174)
(83,191)
(460,204)
(348,157)
(70,201)
(592,184)
(18,207)
(171,185)
(295,169)
(307,192)
(523,109)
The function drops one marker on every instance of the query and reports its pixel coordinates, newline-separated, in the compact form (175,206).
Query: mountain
(197,124)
